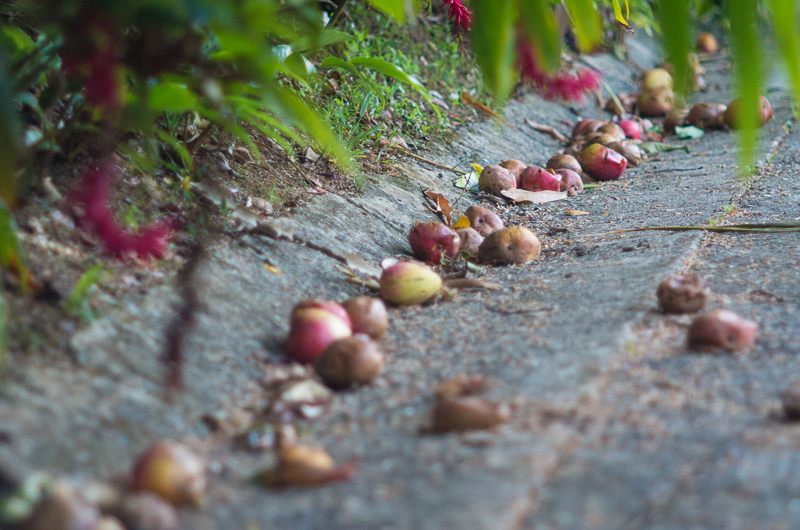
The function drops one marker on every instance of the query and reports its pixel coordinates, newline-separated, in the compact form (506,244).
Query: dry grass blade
(743,227)
(547,129)
(469,100)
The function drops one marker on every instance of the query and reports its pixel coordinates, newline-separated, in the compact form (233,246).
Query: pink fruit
(470,240)
(602,163)
(327,305)
(432,241)
(483,220)
(731,115)
(313,330)
(536,178)
(515,167)
(722,329)
(585,127)
(570,181)
(633,129)
(368,315)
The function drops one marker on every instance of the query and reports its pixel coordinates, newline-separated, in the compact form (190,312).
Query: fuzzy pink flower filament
(458,13)
(563,86)
(93,196)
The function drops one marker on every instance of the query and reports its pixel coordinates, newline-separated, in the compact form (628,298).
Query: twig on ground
(547,129)
(429,161)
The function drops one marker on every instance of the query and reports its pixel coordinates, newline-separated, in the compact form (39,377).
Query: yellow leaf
(576,212)
(477,167)
(462,222)
(272,269)
(618,12)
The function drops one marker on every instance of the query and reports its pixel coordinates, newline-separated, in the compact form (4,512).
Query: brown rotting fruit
(353,361)
(483,220)
(515,244)
(368,315)
(683,294)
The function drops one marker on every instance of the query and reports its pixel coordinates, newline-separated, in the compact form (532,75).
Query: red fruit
(633,129)
(313,330)
(602,163)
(585,127)
(570,180)
(731,115)
(722,329)
(536,178)
(432,241)
(327,305)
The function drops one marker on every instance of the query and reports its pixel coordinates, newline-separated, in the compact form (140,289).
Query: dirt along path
(615,423)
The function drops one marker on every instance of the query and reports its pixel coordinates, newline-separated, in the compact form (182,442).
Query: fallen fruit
(349,362)
(628,101)
(63,508)
(722,329)
(570,181)
(564,162)
(656,102)
(536,178)
(515,244)
(602,163)
(586,127)
(495,179)
(707,43)
(145,511)
(613,130)
(599,138)
(368,316)
(305,466)
(633,129)
(433,241)
(675,118)
(171,471)
(656,78)
(515,167)
(682,294)
(731,116)
(791,402)
(483,220)
(331,307)
(456,414)
(409,283)
(313,330)
(707,116)
(631,151)
(470,240)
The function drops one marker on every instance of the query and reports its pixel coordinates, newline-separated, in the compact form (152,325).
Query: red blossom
(458,13)
(92,198)
(564,85)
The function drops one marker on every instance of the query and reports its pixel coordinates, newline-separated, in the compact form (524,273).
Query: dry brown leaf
(576,212)
(547,129)
(358,264)
(533,197)
(442,206)
(466,413)
(469,100)
(469,283)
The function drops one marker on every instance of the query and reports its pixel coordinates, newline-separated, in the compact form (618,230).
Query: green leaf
(326,38)
(493,35)
(690,131)
(748,60)
(10,137)
(675,24)
(397,9)
(16,41)
(785,28)
(618,12)
(391,70)
(468,181)
(10,255)
(171,97)
(661,147)
(541,26)
(85,282)
(586,23)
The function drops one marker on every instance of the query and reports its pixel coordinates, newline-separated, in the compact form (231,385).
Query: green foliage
(492,38)
(76,302)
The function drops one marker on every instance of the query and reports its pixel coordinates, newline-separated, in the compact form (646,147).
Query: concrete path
(615,423)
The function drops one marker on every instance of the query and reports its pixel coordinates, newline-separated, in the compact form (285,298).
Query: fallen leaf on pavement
(358,264)
(442,206)
(463,222)
(661,147)
(576,212)
(469,283)
(533,197)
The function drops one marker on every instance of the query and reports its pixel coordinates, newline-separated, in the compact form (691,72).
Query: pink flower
(92,198)
(565,86)
(458,13)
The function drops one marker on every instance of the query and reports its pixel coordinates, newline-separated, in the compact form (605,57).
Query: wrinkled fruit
(470,240)
(349,362)
(495,179)
(564,162)
(633,129)
(536,178)
(313,330)
(722,329)
(683,294)
(483,220)
(368,316)
(602,163)
(331,307)
(409,283)
(515,244)
(433,241)
(656,78)
(656,102)
(586,127)
(570,181)
(613,130)
(631,151)
(456,414)
(707,116)
(515,167)
(171,471)
(731,116)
